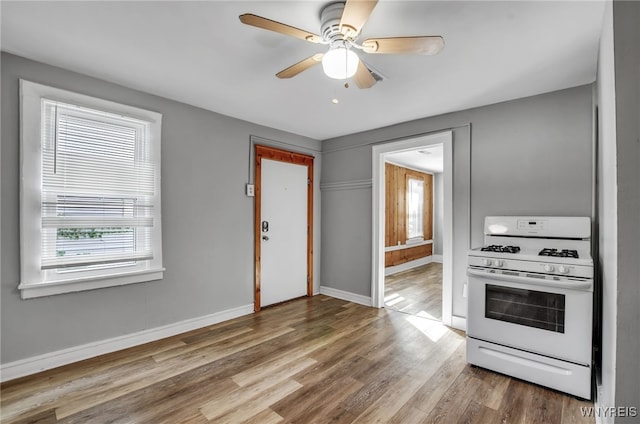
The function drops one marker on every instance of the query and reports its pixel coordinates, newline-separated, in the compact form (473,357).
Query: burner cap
(501,249)
(564,253)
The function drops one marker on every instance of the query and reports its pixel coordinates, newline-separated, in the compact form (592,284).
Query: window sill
(31,290)
(415,240)
(407,246)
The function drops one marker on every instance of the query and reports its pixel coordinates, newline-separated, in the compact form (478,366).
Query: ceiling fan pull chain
(346,71)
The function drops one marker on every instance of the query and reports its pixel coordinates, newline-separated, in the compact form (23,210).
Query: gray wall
(626,16)
(618,92)
(527,156)
(207,224)
(438,212)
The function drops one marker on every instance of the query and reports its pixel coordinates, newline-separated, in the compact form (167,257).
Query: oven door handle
(577,285)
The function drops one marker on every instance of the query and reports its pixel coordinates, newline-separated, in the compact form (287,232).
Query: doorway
(417,291)
(380,156)
(283,226)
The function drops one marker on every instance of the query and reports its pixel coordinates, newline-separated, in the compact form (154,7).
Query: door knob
(265,238)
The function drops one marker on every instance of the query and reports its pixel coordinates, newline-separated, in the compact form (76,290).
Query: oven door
(551,319)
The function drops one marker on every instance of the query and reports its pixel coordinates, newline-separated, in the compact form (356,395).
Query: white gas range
(530,301)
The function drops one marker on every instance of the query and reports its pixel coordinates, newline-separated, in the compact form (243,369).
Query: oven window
(525,307)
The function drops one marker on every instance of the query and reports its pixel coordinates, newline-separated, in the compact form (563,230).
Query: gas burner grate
(564,253)
(501,249)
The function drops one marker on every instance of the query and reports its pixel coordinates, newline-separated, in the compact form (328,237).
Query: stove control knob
(498,263)
(549,268)
(486,262)
(563,269)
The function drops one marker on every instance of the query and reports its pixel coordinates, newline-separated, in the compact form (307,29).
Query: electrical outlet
(250,190)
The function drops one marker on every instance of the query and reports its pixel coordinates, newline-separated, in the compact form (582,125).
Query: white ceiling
(428,159)
(199,53)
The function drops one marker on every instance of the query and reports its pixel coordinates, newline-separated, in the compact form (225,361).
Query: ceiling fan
(340,27)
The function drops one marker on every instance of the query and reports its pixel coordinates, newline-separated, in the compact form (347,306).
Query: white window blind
(91,167)
(415,208)
(97,188)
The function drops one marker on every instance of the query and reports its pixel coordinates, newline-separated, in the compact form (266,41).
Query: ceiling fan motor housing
(330,18)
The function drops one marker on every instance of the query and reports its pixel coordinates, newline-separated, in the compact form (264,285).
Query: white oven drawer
(560,375)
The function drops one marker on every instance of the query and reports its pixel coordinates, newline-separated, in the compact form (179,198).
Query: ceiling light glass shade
(340,63)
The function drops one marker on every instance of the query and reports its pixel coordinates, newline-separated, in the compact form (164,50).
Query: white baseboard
(23,367)
(390,270)
(459,322)
(597,401)
(348,296)
(436,258)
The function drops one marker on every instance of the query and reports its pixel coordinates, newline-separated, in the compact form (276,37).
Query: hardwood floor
(417,291)
(312,360)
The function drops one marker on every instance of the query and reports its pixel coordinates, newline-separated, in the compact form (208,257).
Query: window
(90,193)
(415,208)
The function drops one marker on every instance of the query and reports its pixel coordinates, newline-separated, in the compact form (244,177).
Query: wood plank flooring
(312,360)
(417,291)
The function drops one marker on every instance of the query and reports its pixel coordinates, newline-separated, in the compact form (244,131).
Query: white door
(283,236)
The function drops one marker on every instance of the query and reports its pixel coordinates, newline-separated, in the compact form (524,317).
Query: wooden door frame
(272,153)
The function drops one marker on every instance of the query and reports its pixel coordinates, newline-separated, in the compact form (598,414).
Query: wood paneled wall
(395,213)
(400,256)
(396,198)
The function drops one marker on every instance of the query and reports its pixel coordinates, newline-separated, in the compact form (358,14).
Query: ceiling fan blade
(363,77)
(417,45)
(264,23)
(303,65)
(354,16)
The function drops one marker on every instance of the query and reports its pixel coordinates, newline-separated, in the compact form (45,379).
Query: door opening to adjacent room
(413,231)
(412,226)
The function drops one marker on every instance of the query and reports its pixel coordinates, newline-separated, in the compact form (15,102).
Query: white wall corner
(436,258)
(35,364)
(344,295)
(459,323)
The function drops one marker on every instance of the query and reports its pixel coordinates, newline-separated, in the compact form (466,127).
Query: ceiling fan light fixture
(340,63)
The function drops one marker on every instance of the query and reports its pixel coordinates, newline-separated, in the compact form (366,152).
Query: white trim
(344,295)
(597,402)
(379,153)
(447,233)
(390,270)
(599,396)
(346,185)
(459,322)
(436,258)
(23,367)
(29,291)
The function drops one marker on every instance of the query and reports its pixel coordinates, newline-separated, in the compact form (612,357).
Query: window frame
(33,279)
(420,237)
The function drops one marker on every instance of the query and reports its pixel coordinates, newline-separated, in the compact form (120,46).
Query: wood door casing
(272,153)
